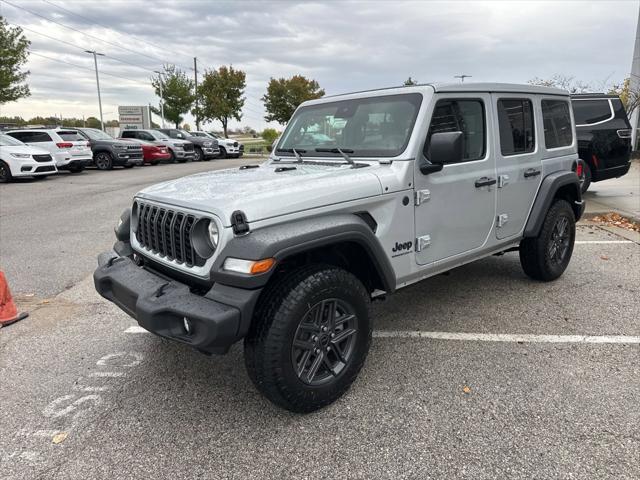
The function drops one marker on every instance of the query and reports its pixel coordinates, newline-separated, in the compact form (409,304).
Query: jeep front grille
(167,233)
(42,158)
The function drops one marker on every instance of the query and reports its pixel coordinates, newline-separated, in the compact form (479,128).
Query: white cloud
(344,45)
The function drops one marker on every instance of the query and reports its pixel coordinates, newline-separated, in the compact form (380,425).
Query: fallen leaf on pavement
(59,437)
(604,257)
(466,389)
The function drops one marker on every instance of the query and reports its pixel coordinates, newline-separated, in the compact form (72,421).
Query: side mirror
(444,147)
(179,135)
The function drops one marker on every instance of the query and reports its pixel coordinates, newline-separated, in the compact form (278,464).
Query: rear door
(455,208)
(518,162)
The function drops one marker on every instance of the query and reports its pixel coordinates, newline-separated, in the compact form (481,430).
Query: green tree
(93,122)
(269,135)
(409,82)
(221,95)
(13,55)
(177,93)
(285,94)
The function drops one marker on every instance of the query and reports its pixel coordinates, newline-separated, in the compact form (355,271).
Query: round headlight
(214,234)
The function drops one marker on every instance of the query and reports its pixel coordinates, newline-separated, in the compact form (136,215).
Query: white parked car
(70,150)
(20,160)
(228,147)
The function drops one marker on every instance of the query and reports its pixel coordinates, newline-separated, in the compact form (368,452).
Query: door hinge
(503,180)
(502,219)
(422,242)
(422,196)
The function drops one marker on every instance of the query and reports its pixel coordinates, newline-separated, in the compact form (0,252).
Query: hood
(265,191)
(24,149)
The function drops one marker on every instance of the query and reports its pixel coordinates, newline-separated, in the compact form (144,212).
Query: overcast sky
(345,46)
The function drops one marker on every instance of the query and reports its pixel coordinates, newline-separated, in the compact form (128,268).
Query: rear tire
(103,161)
(309,338)
(547,256)
(128,165)
(5,173)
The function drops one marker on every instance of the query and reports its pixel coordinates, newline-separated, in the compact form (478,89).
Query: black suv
(604,137)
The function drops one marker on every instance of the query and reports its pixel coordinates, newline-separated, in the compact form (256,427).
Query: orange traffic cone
(8,311)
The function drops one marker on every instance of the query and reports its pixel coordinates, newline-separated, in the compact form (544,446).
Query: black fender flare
(283,240)
(547,193)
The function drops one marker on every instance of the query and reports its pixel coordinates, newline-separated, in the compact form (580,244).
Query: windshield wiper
(295,151)
(341,151)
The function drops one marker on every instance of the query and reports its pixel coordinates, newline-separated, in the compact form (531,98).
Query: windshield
(158,135)
(368,127)
(95,134)
(185,133)
(7,141)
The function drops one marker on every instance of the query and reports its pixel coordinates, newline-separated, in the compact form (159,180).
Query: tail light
(64,144)
(88,144)
(624,133)
(594,159)
(579,168)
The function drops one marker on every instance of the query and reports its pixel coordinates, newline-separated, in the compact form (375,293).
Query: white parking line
(507,337)
(487,337)
(596,242)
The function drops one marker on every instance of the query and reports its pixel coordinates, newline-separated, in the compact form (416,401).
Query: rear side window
(32,137)
(515,119)
(557,123)
(588,112)
(466,116)
(128,134)
(71,136)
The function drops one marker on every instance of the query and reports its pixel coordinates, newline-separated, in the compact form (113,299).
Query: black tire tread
(533,250)
(282,297)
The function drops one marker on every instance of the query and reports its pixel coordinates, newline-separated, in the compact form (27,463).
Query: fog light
(187,325)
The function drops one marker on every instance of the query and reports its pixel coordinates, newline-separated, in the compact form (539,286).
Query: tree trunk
(225,121)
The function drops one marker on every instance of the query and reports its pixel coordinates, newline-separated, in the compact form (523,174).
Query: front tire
(223,153)
(103,161)
(199,155)
(5,173)
(309,338)
(547,256)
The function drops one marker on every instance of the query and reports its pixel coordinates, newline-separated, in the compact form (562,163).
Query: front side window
(588,112)
(158,135)
(515,123)
(557,123)
(466,116)
(365,127)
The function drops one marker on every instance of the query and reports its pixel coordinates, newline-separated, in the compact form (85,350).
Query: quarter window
(466,116)
(557,123)
(515,118)
(588,112)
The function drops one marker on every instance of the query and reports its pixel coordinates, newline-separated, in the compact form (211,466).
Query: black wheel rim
(4,174)
(324,342)
(560,239)
(102,161)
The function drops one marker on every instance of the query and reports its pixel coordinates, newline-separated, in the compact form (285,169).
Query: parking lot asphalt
(481,373)
(621,195)
(51,230)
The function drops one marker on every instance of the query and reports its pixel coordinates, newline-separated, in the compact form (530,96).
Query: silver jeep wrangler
(364,194)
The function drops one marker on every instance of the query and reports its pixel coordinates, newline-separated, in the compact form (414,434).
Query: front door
(455,208)
(518,159)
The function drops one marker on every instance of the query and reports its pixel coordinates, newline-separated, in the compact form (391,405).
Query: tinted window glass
(32,137)
(466,116)
(591,111)
(373,126)
(70,136)
(515,118)
(557,123)
(128,134)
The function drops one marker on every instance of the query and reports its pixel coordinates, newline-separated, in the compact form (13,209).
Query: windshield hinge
(422,196)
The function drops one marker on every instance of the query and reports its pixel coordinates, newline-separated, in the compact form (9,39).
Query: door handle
(485,182)
(531,172)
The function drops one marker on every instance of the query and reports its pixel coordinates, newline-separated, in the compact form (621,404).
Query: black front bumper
(160,305)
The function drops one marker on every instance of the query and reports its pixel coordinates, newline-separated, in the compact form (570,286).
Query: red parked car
(152,153)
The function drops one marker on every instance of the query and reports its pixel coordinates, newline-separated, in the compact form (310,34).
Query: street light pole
(462,77)
(95,62)
(161,97)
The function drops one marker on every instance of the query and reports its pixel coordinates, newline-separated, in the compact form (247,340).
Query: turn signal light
(248,267)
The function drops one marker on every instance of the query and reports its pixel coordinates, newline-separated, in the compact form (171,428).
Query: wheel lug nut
(324,329)
(332,335)
(328,349)
(317,351)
